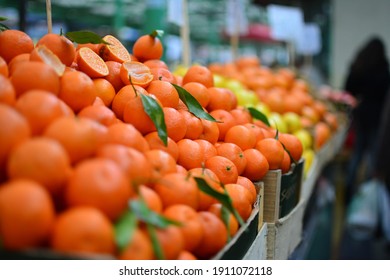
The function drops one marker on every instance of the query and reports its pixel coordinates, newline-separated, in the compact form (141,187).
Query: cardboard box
(282,192)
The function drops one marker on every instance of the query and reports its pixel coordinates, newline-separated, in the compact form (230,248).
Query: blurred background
(342,25)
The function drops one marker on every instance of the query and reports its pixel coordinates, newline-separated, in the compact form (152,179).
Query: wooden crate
(285,234)
(282,192)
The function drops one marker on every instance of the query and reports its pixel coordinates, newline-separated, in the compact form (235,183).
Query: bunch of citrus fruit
(287,100)
(84,164)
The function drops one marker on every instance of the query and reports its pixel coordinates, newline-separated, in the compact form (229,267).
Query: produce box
(243,240)
(284,235)
(282,192)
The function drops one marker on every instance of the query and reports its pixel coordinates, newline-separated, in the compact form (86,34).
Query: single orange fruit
(234,153)
(26,215)
(7,91)
(139,247)
(61,46)
(175,123)
(241,199)
(40,108)
(216,209)
(176,188)
(94,47)
(225,121)
(113,76)
(42,160)
(148,47)
(136,73)
(205,200)
(99,183)
(322,134)
(105,90)
(114,50)
(91,63)
(162,164)
(155,142)
(191,227)
(214,236)
(248,184)
(193,123)
(292,144)
(200,74)
(273,151)
(35,75)
(242,136)
(134,113)
(256,165)
(13,43)
(190,154)
(94,233)
(80,96)
(199,92)
(331,119)
(221,99)
(128,135)
(78,136)
(224,168)
(165,93)
(132,162)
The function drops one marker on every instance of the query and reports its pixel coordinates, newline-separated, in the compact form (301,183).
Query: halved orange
(138,72)
(91,63)
(44,54)
(114,50)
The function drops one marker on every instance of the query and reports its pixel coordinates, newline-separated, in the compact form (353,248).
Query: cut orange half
(138,72)
(44,54)
(114,50)
(91,63)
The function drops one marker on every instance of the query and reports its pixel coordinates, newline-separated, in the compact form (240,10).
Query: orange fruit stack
(77,146)
(282,91)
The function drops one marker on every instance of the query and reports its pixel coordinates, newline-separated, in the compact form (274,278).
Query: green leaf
(224,198)
(225,214)
(84,37)
(156,113)
(124,229)
(193,104)
(157,33)
(143,213)
(3,18)
(155,243)
(259,115)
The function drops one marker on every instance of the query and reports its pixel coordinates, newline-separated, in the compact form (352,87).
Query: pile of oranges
(77,145)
